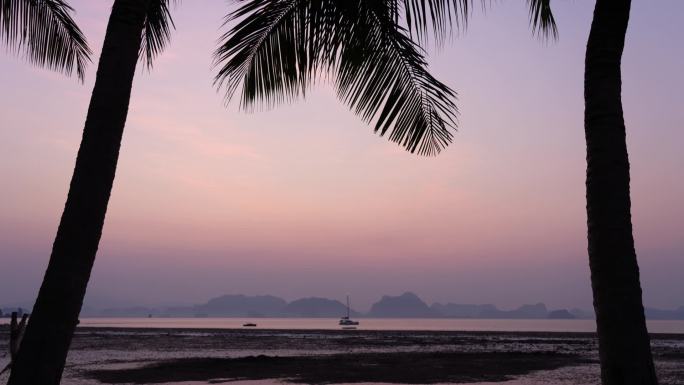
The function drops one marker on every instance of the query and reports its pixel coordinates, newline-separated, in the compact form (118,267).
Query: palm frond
(157,31)
(541,18)
(267,51)
(44,32)
(440,16)
(383,76)
(436,16)
(279,47)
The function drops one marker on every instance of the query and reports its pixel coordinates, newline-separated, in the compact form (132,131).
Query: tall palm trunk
(44,349)
(624,345)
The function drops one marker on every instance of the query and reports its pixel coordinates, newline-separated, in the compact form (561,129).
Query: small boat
(346,321)
(249,325)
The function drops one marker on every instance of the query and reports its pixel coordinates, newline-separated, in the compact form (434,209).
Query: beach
(269,356)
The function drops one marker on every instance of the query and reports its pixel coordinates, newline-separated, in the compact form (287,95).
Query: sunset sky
(305,200)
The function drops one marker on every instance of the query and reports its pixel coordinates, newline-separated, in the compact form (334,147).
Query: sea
(417,324)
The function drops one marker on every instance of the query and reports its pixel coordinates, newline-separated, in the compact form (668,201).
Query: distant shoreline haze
(407,305)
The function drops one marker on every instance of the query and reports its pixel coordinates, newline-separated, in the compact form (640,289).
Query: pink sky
(305,200)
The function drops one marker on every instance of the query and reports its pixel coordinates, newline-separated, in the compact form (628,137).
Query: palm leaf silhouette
(45,34)
(439,17)
(279,48)
(157,30)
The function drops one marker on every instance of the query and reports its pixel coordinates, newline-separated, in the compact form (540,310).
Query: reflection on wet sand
(171,356)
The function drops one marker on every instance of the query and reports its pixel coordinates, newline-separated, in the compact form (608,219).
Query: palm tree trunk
(43,351)
(624,345)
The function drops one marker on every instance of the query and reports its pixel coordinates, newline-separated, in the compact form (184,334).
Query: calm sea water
(541,325)
(428,324)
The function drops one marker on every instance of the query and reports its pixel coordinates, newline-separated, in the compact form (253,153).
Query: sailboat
(346,321)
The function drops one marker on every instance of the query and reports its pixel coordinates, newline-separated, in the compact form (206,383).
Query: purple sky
(306,200)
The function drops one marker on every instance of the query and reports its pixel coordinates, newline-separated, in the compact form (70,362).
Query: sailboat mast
(347,306)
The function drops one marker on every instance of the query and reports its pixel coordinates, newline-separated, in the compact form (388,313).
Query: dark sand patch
(406,368)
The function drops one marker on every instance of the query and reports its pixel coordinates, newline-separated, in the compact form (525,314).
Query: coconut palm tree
(624,345)
(137,29)
(45,34)
(279,47)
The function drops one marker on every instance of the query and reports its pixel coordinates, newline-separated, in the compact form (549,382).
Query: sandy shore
(126,356)
(408,368)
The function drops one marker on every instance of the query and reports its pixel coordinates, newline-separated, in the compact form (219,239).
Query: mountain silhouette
(316,307)
(407,305)
(675,314)
(560,314)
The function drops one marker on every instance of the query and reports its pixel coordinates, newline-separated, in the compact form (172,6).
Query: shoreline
(4,328)
(656,327)
(243,330)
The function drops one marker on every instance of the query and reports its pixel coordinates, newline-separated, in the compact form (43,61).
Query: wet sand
(407,368)
(135,356)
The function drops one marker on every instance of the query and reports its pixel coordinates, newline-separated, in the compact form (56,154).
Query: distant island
(406,305)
